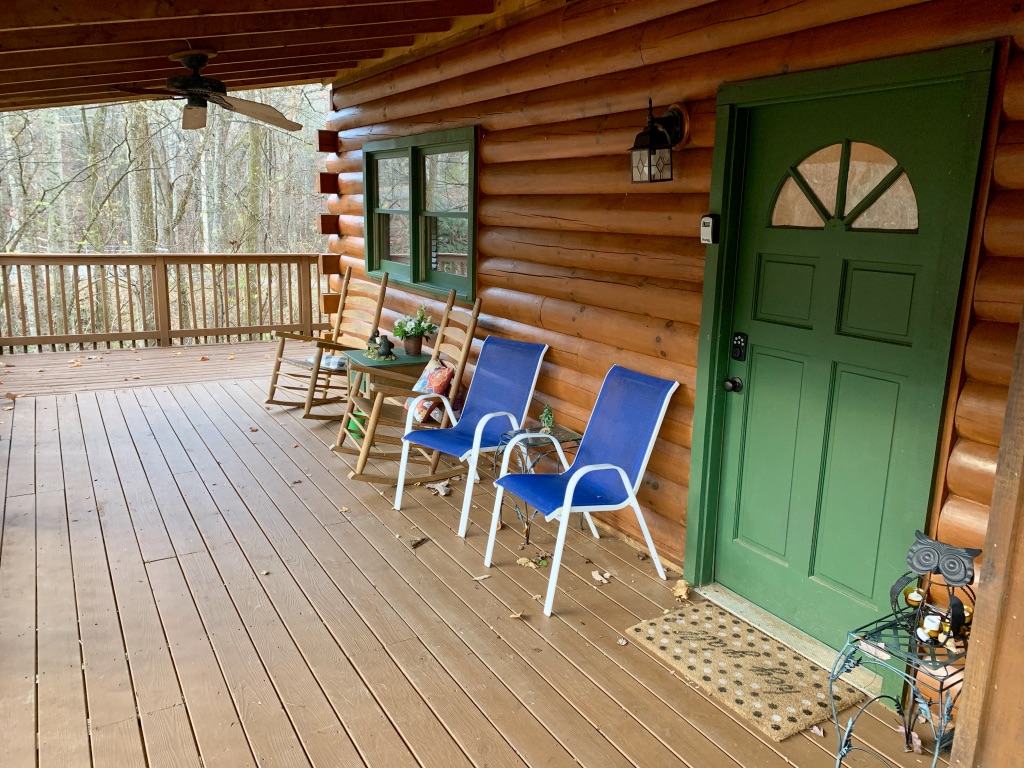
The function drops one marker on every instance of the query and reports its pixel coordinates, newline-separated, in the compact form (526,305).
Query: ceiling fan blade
(193,118)
(262,112)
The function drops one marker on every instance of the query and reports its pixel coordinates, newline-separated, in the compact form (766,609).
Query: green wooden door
(850,241)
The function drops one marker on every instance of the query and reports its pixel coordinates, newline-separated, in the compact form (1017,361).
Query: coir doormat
(773,687)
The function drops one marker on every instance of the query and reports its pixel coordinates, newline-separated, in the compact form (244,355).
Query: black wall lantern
(651,153)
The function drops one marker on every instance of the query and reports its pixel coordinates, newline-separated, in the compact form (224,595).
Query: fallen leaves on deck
(681,590)
(440,488)
(203,358)
(622,641)
(481,578)
(11,396)
(915,741)
(600,578)
(817,730)
(418,542)
(231,357)
(526,562)
(253,429)
(517,615)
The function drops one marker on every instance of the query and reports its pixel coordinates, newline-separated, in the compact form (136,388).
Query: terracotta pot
(413,346)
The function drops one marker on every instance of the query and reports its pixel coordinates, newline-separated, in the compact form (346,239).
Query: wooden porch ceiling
(187,578)
(64,52)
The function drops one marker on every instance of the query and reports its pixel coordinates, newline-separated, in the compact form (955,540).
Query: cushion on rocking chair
(434,380)
(329,362)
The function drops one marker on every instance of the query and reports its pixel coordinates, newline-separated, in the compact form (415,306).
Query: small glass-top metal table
(933,674)
(528,453)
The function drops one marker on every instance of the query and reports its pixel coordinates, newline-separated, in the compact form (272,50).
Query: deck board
(212,589)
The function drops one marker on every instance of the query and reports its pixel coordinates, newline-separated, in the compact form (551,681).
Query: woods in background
(125,178)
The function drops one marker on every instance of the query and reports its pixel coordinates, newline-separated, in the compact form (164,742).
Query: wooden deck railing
(66,302)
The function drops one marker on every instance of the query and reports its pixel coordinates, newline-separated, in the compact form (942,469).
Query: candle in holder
(931,625)
(914,596)
(968,615)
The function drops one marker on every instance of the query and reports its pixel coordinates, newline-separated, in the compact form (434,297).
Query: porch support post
(306,295)
(991,705)
(161,302)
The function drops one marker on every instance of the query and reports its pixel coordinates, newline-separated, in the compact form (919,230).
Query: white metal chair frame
(564,512)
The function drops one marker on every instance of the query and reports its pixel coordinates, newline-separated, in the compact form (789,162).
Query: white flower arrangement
(413,326)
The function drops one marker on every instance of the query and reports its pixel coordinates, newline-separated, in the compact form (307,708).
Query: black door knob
(733,384)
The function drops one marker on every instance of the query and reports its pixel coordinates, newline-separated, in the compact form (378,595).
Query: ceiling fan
(199,91)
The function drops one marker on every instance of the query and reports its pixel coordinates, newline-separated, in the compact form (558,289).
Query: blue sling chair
(608,467)
(497,401)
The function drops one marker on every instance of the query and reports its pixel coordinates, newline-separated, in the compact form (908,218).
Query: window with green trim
(420,209)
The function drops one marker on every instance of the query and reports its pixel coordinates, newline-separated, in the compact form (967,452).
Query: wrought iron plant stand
(923,642)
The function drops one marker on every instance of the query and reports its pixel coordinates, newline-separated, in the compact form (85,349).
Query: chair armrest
(294,336)
(324,344)
(529,436)
(579,474)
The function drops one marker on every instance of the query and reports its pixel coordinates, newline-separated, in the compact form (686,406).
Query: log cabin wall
(572,254)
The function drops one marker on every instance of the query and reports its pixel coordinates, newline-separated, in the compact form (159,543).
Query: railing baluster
(20,301)
(202,296)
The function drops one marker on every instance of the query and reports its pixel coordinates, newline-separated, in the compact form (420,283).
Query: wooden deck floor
(188,578)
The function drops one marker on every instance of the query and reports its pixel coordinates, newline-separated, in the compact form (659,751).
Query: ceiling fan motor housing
(198,85)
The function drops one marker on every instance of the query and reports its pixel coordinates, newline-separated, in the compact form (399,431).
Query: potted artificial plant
(412,328)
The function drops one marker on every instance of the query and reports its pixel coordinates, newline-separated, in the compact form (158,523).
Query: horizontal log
(345,162)
(999,290)
(669,536)
(963,523)
(557,29)
(608,173)
(350,183)
(671,215)
(971,472)
(593,358)
(698,77)
(989,355)
(711,27)
(348,205)
(628,293)
(327,183)
(1008,171)
(590,137)
(1013,93)
(1004,224)
(980,411)
(657,338)
(674,258)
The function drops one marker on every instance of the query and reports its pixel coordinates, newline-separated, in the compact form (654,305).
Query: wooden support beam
(329,303)
(206,26)
(330,264)
(991,699)
(366,34)
(329,224)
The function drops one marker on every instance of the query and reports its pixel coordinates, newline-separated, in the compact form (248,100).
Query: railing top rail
(59,259)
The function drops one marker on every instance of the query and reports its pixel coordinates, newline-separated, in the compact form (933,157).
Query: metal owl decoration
(954,564)
(911,596)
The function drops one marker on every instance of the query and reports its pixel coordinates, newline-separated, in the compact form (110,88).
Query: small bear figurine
(385,349)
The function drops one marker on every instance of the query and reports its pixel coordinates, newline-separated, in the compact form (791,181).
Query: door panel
(849,245)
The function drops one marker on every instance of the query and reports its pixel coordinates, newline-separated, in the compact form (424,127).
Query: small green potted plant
(412,328)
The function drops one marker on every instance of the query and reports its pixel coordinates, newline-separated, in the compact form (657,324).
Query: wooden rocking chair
(375,421)
(322,378)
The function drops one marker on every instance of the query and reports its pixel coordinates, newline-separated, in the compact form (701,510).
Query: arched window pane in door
(877,195)
(896,208)
(793,209)
(868,166)
(821,172)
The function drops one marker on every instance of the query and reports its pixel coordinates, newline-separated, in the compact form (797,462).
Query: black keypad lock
(739,347)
